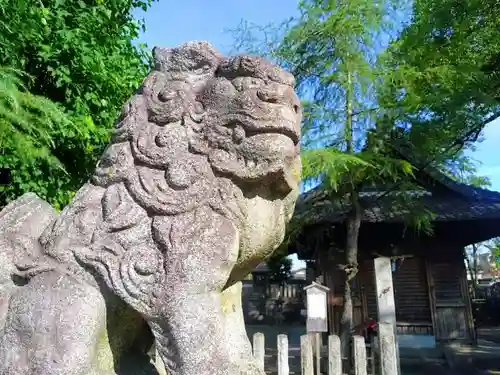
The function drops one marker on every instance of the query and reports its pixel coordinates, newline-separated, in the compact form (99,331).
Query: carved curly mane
(178,150)
(193,191)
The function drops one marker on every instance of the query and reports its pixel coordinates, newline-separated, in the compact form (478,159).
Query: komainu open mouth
(281,131)
(248,127)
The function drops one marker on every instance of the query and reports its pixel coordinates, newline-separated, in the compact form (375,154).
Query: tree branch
(474,133)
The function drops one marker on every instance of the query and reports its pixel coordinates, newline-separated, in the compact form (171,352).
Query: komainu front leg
(205,336)
(236,340)
(191,338)
(198,327)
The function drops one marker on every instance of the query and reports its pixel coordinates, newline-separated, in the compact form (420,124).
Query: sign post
(317,316)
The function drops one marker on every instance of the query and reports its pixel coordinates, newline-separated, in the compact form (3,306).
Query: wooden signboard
(316,297)
(317,317)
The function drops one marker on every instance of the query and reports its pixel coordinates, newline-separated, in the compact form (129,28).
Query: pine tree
(332,50)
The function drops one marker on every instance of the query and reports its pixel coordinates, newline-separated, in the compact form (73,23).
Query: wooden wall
(450,300)
(430,293)
(411,294)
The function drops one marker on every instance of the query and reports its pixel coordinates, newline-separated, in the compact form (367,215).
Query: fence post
(359,353)
(317,351)
(258,348)
(389,361)
(306,355)
(334,356)
(283,368)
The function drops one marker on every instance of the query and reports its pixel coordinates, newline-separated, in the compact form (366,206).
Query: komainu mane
(193,192)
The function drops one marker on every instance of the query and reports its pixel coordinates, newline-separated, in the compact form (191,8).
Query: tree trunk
(353,223)
(350,268)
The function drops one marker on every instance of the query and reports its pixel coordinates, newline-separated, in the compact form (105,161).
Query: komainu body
(194,190)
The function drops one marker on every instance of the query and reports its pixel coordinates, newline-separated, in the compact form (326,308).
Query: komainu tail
(22,222)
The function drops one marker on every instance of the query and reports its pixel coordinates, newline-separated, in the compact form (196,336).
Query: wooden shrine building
(431,296)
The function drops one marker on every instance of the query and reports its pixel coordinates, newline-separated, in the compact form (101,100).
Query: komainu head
(240,113)
(207,130)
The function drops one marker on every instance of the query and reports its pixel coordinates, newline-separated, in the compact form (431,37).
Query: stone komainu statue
(193,192)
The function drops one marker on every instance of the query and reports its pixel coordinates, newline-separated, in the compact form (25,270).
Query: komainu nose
(280,94)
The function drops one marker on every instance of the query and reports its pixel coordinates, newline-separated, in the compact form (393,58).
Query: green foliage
(464,169)
(27,121)
(332,49)
(444,76)
(27,125)
(331,165)
(280,268)
(80,55)
(494,248)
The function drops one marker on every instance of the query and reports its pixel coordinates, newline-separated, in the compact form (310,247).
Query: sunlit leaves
(331,165)
(445,77)
(332,50)
(80,55)
(28,122)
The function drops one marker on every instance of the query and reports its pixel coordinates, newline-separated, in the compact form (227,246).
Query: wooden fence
(379,358)
(290,289)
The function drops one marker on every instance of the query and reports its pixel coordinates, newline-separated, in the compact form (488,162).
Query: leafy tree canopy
(444,77)
(79,55)
(365,102)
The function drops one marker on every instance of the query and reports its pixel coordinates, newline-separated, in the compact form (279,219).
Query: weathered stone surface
(193,192)
(23,222)
(334,355)
(387,347)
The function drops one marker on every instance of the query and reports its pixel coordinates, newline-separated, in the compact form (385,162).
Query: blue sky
(170,23)
(488,154)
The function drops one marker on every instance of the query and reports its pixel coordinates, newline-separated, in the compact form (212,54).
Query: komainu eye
(267,95)
(167,95)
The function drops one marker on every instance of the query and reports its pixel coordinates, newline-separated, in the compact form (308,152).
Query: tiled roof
(455,202)
(469,204)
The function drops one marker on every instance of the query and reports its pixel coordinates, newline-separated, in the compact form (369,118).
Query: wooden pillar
(386,306)
(328,271)
(468,302)
(432,298)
